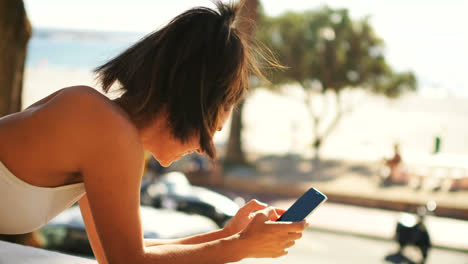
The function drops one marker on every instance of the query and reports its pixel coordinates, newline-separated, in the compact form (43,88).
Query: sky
(428,37)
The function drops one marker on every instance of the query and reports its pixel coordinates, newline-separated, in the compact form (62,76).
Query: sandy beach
(278,123)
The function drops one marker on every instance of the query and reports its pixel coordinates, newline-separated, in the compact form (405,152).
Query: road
(327,248)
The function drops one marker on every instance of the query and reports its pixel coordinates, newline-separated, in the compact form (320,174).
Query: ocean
(76,49)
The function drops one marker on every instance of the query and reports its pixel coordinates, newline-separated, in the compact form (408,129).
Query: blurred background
(371,109)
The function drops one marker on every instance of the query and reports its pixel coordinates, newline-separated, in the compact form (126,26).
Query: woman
(179,85)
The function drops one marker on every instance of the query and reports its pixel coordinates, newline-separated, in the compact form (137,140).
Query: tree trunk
(317,141)
(319,137)
(248,18)
(15,31)
(235,153)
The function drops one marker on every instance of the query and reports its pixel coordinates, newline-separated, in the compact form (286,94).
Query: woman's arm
(97,247)
(91,230)
(243,217)
(196,239)
(100,256)
(261,238)
(240,220)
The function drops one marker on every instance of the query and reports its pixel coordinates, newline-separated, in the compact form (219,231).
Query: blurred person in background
(396,172)
(179,85)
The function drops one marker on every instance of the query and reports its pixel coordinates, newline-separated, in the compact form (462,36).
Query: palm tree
(15,31)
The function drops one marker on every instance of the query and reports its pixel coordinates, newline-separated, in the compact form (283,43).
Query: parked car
(66,233)
(172,190)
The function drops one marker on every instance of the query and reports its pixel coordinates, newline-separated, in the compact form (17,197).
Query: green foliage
(394,84)
(325,49)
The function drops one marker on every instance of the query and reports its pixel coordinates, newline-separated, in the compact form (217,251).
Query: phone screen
(303,206)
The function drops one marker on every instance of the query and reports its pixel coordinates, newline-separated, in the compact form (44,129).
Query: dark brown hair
(194,68)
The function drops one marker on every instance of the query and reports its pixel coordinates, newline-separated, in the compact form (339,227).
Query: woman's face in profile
(179,149)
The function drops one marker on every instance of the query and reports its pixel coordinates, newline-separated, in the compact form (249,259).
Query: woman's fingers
(253,205)
(265,214)
(280,254)
(294,235)
(290,244)
(271,239)
(274,216)
(280,211)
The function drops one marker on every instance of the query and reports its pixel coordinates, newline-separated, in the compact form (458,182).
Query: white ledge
(18,254)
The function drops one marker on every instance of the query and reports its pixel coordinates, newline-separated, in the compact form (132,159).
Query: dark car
(172,190)
(66,233)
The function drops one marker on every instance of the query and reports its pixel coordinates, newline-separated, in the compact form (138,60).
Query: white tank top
(25,207)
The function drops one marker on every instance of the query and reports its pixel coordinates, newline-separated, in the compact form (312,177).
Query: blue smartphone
(304,206)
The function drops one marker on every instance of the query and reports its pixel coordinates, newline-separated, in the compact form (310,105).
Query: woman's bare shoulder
(84,103)
(93,120)
(78,96)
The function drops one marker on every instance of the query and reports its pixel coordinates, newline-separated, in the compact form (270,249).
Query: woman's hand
(245,215)
(263,238)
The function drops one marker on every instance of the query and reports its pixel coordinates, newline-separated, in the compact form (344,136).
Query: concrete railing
(17,254)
